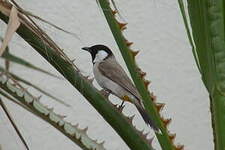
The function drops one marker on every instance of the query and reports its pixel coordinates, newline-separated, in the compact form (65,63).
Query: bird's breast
(108,84)
(103,81)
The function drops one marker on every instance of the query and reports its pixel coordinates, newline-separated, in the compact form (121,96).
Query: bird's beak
(86,48)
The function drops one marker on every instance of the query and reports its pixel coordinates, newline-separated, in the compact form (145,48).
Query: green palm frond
(207,20)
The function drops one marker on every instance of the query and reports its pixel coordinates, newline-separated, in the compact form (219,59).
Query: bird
(110,75)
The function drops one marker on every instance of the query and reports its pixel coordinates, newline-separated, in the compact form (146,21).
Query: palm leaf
(35,87)
(12,58)
(207,20)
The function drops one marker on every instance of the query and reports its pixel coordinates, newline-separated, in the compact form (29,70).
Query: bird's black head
(100,51)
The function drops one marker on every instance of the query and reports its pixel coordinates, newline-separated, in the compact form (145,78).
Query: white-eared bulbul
(110,76)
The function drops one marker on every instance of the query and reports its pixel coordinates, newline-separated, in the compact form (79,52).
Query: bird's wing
(113,71)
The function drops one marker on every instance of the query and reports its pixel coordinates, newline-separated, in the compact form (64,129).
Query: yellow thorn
(134,53)
(180,147)
(142,74)
(159,106)
(114,12)
(146,82)
(172,136)
(153,97)
(129,43)
(166,122)
(122,26)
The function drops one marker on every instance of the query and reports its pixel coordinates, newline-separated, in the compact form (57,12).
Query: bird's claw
(105,93)
(121,106)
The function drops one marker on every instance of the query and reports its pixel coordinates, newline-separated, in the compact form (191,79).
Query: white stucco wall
(156,28)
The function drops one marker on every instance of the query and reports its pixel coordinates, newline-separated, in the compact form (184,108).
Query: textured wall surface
(156,28)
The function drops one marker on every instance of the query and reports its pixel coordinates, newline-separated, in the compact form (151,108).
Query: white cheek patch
(100,56)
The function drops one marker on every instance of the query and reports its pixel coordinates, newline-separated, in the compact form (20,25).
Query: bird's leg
(121,105)
(124,98)
(105,92)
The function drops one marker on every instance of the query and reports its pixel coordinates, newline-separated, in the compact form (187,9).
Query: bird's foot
(105,93)
(120,108)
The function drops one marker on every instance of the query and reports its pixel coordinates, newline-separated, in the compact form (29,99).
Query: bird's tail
(147,118)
